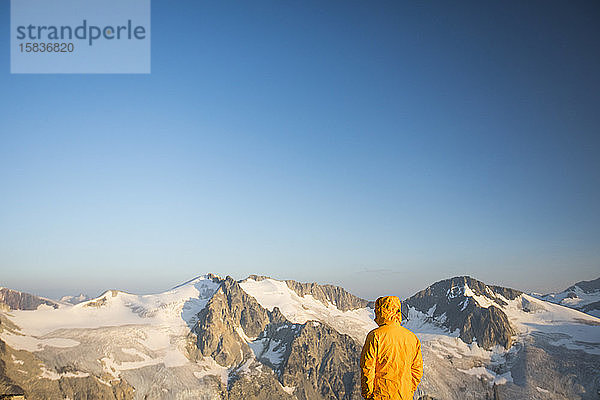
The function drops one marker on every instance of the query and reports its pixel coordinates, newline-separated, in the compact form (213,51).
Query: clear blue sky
(379,145)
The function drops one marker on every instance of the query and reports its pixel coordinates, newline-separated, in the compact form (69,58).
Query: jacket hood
(387,310)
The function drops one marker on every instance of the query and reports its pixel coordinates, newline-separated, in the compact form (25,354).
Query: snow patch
(53,375)
(562,326)
(482,372)
(242,334)
(112,366)
(209,367)
(174,358)
(289,389)
(32,344)
(156,339)
(483,301)
(271,350)
(16,361)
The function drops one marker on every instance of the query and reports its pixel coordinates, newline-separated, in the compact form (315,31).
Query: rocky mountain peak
(238,333)
(16,300)
(465,286)
(469,306)
(229,318)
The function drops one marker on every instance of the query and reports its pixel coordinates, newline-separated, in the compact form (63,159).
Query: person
(391,362)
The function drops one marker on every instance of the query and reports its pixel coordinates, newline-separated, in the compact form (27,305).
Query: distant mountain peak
(583,296)
(74,299)
(587,286)
(16,300)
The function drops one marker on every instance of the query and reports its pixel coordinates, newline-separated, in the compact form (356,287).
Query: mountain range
(583,296)
(263,338)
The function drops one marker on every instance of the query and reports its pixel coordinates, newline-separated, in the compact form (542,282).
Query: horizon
(58,296)
(378,147)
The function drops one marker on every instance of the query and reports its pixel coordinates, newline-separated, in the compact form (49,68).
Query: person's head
(387,310)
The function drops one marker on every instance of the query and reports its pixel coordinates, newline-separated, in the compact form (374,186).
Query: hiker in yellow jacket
(391,362)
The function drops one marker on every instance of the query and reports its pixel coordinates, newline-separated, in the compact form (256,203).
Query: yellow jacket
(391,362)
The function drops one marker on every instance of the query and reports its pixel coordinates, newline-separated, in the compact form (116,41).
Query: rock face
(328,293)
(322,364)
(453,302)
(7,386)
(311,360)
(229,315)
(22,301)
(488,326)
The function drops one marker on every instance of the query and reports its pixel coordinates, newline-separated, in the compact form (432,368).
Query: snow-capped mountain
(262,338)
(470,307)
(523,347)
(74,299)
(583,296)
